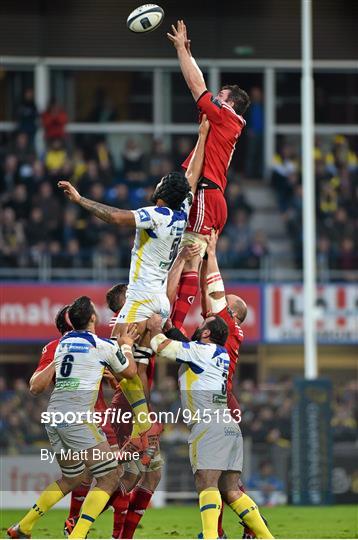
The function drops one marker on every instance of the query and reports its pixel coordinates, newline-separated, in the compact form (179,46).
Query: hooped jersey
(80,360)
(158,235)
(203,377)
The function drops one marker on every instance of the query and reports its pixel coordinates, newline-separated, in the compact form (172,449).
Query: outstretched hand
(69,190)
(179,36)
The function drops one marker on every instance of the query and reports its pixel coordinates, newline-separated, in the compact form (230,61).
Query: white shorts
(140,306)
(75,437)
(216,446)
(189,238)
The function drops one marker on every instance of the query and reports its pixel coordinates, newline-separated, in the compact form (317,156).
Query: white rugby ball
(145,18)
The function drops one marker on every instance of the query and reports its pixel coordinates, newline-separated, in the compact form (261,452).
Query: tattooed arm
(102,211)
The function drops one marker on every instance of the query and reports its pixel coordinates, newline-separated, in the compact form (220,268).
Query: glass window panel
(105,96)
(288,100)
(336,98)
(12,87)
(183,108)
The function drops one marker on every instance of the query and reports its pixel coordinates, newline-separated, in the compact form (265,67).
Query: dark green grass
(184,522)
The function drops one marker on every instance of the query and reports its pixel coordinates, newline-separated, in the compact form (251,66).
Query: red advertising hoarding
(27,311)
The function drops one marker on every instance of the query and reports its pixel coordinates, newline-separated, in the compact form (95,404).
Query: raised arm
(109,214)
(186,254)
(193,172)
(192,74)
(41,380)
(160,344)
(214,282)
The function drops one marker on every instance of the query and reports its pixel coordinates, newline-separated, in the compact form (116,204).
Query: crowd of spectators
(266,413)
(38,222)
(336,181)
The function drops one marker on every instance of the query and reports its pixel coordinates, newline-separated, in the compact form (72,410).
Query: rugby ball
(145,18)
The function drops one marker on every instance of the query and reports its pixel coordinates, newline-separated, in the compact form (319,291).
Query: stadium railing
(95,269)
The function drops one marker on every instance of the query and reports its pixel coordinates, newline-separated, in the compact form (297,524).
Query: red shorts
(209,211)
(121,429)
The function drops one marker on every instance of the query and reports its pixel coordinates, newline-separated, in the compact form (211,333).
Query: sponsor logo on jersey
(143,215)
(70,383)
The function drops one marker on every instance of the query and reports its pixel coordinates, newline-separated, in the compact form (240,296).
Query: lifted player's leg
(208,212)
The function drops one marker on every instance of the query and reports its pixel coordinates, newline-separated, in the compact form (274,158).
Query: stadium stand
(263,220)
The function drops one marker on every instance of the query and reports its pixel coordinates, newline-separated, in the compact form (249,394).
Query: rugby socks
(119,503)
(134,392)
(93,505)
(187,291)
(48,498)
(210,506)
(139,500)
(248,512)
(78,495)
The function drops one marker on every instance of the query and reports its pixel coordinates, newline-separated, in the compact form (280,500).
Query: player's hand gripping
(154,324)
(189,252)
(204,127)
(69,190)
(212,241)
(129,334)
(179,36)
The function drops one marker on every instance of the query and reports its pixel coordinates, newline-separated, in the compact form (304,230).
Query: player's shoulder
(240,332)
(232,114)
(105,343)
(51,346)
(79,336)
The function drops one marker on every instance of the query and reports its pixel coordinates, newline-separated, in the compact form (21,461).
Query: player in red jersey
(45,371)
(209,210)
(139,482)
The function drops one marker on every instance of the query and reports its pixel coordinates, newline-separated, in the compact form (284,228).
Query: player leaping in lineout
(159,230)
(209,210)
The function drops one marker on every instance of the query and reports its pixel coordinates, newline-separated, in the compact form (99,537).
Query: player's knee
(201,480)
(67,484)
(109,482)
(130,480)
(151,479)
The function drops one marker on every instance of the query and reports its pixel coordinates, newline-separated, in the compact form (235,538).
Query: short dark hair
(219,330)
(239,97)
(113,295)
(80,312)
(61,320)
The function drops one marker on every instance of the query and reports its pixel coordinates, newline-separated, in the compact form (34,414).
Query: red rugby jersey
(225,129)
(233,343)
(47,355)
